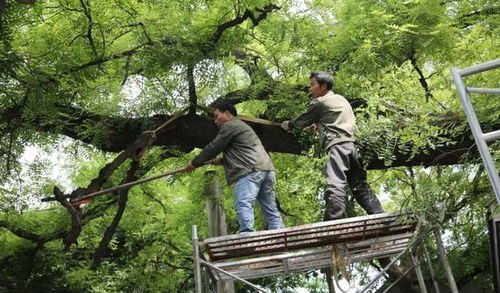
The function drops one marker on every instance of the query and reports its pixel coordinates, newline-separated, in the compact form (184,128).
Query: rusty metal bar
(232,276)
(399,279)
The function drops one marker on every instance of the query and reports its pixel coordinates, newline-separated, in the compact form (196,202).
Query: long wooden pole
(418,271)
(445,262)
(196,259)
(431,270)
(216,218)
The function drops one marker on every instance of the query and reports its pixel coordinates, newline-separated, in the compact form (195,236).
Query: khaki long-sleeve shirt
(334,118)
(242,150)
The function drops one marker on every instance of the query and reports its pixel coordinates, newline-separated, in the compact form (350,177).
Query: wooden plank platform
(305,247)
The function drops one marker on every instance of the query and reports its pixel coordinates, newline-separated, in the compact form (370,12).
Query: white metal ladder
(481,138)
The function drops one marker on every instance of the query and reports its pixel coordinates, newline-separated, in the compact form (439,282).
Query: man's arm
(215,147)
(311,116)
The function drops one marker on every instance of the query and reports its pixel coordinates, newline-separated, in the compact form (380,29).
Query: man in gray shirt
(335,122)
(246,163)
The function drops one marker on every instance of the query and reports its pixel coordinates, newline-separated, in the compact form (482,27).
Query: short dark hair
(322,78)
(223,106)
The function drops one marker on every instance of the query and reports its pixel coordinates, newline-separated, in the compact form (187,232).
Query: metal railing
(481,138)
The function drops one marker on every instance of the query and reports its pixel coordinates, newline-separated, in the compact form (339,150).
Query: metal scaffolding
(481,138)
(253,255)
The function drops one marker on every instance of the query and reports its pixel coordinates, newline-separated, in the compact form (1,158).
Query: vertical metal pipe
(233,276)
(329,279)
(196,257)
(493,227)
(431,270)
(476,130)
(420,276)
(446,263)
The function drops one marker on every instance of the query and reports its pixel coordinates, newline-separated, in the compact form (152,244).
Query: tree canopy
(96,81)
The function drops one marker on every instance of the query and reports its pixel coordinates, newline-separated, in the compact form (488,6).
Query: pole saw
(86,198)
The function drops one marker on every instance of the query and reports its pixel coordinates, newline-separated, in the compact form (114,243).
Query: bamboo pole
(418,271)
(216,218)
(431,269)
(446,263)
(196,258)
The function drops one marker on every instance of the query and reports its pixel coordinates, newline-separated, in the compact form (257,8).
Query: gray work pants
(344,167)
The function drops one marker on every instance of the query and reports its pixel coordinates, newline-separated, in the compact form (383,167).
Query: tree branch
(469,19)
(193,99)
(422,79)
(110,231)
(76,219)
(86,11)
(20,232)
(3,4)
(102,60)
(240,19)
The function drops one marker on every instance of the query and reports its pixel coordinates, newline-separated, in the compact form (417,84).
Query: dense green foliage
(133,59)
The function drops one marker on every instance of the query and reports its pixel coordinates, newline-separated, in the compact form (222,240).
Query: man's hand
(190,167)
(286,125)
(217,162)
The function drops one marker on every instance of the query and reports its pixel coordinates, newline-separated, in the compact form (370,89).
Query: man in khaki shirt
(335,122)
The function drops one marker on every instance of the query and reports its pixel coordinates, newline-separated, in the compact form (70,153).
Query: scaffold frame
(253,255)
(480,138)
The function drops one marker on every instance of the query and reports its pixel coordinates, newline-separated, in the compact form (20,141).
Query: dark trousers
(345,167)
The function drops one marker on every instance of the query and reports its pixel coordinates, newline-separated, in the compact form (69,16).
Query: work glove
(286,125)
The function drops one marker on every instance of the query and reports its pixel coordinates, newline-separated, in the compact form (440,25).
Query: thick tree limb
(194,131)
(249,63)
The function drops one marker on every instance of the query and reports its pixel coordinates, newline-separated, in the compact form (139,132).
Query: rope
(338,262)
(210,110)
(173,118)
